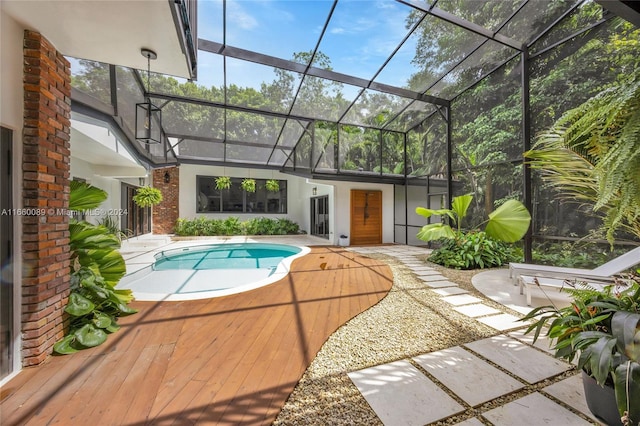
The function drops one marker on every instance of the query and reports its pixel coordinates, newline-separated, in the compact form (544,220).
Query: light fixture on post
(148,115)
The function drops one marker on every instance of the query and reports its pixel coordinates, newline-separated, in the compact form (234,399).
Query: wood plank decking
(229,360)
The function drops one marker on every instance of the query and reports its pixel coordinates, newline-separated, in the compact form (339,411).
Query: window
(236,200)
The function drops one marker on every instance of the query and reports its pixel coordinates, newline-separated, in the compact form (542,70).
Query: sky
(359,38)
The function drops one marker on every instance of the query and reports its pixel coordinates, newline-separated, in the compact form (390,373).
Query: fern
(592,154)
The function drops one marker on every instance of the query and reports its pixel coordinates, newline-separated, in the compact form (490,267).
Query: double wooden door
(366,217)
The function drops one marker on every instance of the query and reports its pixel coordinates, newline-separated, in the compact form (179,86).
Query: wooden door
(366,217)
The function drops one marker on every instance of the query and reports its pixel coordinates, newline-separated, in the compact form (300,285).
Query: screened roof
(274,76)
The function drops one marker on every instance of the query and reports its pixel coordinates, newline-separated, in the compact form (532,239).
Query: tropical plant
(97,266)
(603,329)
(223,182)
(592,155)
(147,196)
(473,250)
(507,223)
(111,223)
(248,184)
(272,185)
(233,226)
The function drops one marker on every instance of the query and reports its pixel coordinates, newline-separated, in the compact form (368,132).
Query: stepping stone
(461,299)
(473,421)
(518,358)
(470,378)
(437,277)
(421,268)
(571,392)
(427,273)
(533,410)
(502,322)
(439,284)
(401,395)
(477,310)
(450,291)
(543,342)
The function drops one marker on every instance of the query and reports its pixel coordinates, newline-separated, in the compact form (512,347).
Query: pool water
(205,271)
(227,256)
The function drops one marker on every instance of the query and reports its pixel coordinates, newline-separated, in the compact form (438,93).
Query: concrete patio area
(478,375)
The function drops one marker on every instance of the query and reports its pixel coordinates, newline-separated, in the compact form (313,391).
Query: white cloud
(240,17)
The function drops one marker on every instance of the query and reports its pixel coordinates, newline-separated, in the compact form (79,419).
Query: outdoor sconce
(167,177)
(148,115)
(315,190)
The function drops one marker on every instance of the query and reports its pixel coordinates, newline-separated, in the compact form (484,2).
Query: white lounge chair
(529,284)
(602,274)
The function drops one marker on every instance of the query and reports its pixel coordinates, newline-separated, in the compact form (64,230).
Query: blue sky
(359,38)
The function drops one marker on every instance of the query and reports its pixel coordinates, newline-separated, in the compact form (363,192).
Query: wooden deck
(229,360)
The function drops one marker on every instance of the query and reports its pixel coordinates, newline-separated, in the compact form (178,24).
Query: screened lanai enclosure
(439,97)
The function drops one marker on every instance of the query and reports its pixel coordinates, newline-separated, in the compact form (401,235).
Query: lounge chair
(602,274)
(529,283)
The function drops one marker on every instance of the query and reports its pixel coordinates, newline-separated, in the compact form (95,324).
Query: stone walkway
(478,375)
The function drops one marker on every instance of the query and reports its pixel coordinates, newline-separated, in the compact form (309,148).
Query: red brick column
(166,213)
(45,240)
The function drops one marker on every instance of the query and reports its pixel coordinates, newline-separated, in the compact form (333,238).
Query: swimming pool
(213,270)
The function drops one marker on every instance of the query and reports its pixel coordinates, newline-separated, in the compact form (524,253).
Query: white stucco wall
(86,171)
(300,191)
(297,190)
(340,205)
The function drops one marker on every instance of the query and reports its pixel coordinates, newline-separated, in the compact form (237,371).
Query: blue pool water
(225,256)
(204,271)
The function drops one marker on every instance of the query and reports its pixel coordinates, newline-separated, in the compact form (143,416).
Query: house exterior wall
(188,202)
(45,165)
(341,208)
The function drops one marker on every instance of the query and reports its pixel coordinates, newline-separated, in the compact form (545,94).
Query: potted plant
(147,196)
(248,185)
(602,328)
(272,185)
(223,182)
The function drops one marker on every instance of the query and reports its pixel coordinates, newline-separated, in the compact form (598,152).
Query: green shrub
(473,250)
(201,226)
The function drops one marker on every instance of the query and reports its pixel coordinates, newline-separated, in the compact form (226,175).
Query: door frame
(353,207)
(11,290)
(314,202)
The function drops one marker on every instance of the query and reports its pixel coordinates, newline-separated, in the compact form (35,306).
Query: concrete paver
(533,410)
(472,379)
(401,395)
(477,310)
(518,358)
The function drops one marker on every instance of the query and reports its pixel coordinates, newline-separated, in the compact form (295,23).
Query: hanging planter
(223,182)
(249,185)
(147,196)
(272,185)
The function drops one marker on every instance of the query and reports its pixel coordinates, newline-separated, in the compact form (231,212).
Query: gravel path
(411,320)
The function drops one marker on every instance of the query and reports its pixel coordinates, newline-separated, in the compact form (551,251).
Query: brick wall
(45,240)
(166,213)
